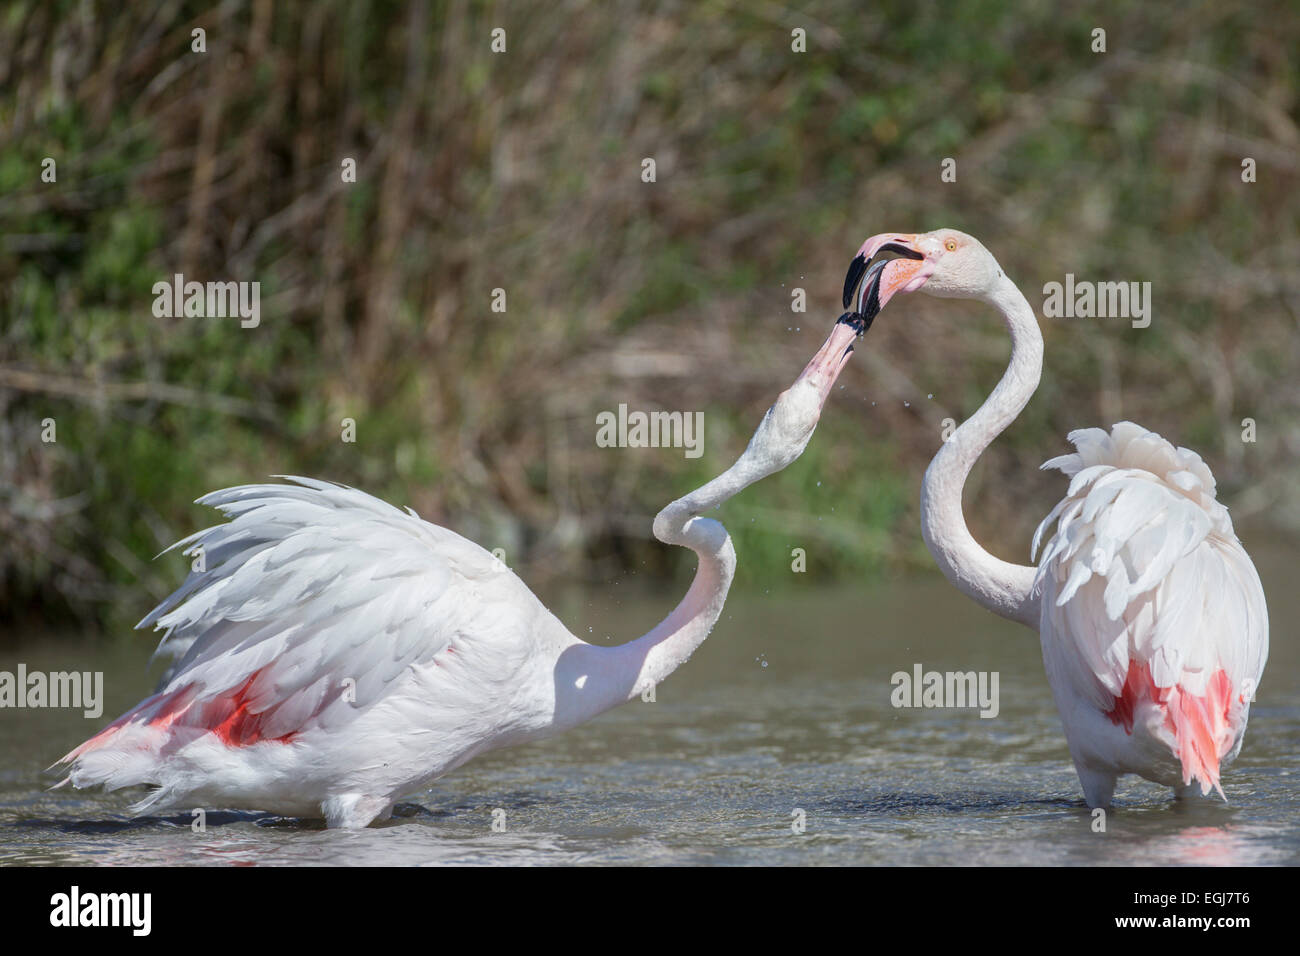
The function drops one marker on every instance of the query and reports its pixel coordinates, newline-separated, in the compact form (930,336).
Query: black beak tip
(856,321)
(856,268)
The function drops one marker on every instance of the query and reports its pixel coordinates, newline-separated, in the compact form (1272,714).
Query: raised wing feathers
(307,585)
(1144,569)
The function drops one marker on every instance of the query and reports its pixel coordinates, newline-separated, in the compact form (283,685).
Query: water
(785,708)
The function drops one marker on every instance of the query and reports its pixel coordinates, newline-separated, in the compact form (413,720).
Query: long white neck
(655,655)
(591,679)
(998,585)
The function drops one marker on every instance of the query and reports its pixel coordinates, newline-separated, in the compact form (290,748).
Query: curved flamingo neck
(669,644)
(592,679)
(1002,587)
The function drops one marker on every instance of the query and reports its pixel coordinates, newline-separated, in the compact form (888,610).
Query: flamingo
(1150,614)
(338,653)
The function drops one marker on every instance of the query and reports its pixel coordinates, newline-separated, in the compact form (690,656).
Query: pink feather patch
(1199,724)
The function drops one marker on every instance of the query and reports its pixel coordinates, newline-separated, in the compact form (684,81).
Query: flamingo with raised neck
(1151,617)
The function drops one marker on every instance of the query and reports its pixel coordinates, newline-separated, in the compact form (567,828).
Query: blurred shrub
(522,171)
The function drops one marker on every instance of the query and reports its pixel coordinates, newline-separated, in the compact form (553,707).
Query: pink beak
(831,358)
(877,282)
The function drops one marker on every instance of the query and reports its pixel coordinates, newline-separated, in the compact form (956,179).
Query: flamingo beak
(831,358)
(876,280)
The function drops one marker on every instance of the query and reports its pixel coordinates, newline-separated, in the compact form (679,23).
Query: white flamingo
(1150,614)
(342,653)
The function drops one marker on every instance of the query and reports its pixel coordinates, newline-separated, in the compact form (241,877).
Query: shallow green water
(786,708)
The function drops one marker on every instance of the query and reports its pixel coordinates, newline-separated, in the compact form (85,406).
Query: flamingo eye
(951,245)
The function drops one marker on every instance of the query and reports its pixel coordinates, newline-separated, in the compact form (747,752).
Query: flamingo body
(341,653)
(335,653)
(1151,617)
(1153,624)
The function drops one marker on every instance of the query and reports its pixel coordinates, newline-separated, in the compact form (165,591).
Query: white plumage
(1154,627)
(335,646)
(335,653)
(1151,617)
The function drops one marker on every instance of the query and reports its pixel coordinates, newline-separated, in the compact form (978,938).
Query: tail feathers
(131,749)
(1201,728)
(128,758)
(1198,726)
(126,752)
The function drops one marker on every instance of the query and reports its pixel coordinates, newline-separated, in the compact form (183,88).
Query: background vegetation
(522,171)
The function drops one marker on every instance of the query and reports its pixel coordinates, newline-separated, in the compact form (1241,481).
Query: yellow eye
(951,245)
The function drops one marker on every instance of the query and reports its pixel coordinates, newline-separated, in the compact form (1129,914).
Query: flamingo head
(944,263)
